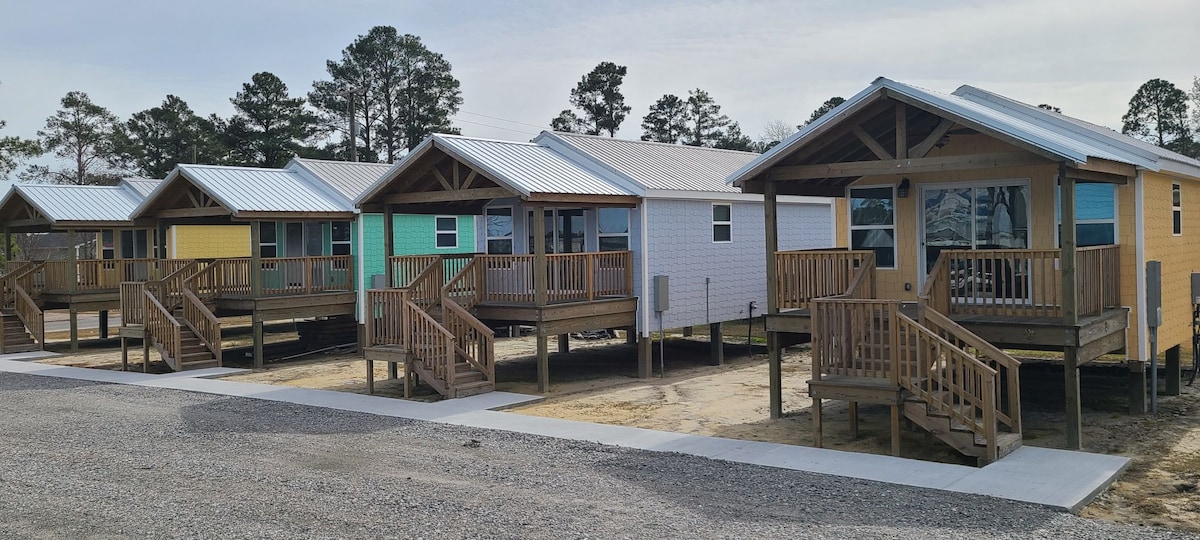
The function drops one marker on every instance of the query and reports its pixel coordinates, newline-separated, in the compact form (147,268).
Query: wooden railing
(280,276)
(1022,282)
(30,314)
(802,276)
(947,378)
(385,323)
(167,331)
(97,274)
(169,289)
(11,270)
(851,338)
(425,289)
(475,341)
(406,268)
(430,343)
(203,323)
(571,277)
(133,303)
(1008,408)
(463,288)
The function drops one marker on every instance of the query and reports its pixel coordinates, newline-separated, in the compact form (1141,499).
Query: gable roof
(61,204)
(653,165)
(253,190)
(141,186)
(349,178)
(1048,133)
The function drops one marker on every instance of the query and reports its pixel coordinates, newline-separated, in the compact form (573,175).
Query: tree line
(390,86)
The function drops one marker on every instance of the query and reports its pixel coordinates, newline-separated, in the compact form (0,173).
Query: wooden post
(124,354)
(1174,372)
(541,296)
(371,377)
(145,351)
(116,233)
(74,329)
(852,408)
(256,269)
(896,430)
(161,238)
(258,342)
(631,335)
(818,436)
(72,269)
(687,331)
(393,370)
(103,321)
(1137,386)
(1070,291)
(543,362)
(774,354)
(716,342)
(388,242)
(901,131)
(645,356)
(564,343)
(8,254)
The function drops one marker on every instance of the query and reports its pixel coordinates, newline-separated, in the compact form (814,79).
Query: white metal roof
(250,189)
(65,203)
(349,178)
(141,186)
(652,165)
(1067,138)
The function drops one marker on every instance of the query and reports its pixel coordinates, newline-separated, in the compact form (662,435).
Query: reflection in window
(613,229)
(1095,214)
(499,231)
(447,231)
(873,223)
(722,223)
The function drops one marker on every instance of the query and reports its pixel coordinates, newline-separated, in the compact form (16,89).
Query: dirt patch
(597,382)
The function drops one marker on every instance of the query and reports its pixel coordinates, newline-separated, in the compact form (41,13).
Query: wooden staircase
(24,320)
(441,342)
(16,337)
(179,323)
(927,368)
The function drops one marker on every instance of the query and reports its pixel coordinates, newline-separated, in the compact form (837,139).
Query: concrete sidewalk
(1060,479)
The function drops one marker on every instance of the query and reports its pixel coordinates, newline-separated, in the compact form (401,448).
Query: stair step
(463,377)
(475,388)
(196,356)
(201,364)
(28,347)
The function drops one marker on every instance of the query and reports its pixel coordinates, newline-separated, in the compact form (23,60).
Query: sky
(762,61)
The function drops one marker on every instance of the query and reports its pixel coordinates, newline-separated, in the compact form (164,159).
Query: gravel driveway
(93,460)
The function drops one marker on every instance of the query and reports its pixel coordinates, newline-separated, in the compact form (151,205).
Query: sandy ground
(597,382)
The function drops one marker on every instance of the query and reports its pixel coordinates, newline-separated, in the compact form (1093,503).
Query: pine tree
(269,127)
(598,96)
(667,120)
(707,122)
(15,150)
(1158,113)
(153,141)
(82,133)
(829,105)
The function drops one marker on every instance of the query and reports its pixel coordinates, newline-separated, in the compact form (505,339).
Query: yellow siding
(1127,238)
(1180,255)
(210,241)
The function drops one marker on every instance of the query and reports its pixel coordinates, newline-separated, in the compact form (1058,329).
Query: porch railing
(133,303)
(1023,282)
(280,276)
(571,277)
(406,268)
(97,274)
(385,323)
(803,276)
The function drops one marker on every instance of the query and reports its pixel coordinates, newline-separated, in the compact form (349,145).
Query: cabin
(70,278)
(970,224)
(574,230)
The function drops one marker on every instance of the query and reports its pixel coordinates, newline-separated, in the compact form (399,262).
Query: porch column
(388,242)
(1070,309)
(161,238)
(256,289)
(774,354)
(73,285)
(716,342)
(116,245)
(541,295)
(8,254)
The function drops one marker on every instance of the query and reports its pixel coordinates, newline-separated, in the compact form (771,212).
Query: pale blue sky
(762,61)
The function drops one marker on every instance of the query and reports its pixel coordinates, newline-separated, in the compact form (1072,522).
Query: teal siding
(415,235)
(372,257)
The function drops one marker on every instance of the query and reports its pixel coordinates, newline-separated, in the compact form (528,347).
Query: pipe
(750,329)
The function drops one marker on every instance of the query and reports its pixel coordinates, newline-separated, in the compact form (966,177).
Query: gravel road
(105,461)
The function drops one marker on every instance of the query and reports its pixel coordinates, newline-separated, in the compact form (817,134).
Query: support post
(1137,386)
(103,321)
(852,409)
(818,435)
(162,241)
(1070,290)
(541,296)
(631,335)
(1174,372)
(258,342)
(371,377)
(388,244)
(564,343)
(8,255)
(124,354)
(687,331)
(774,354)
(256,266)
(543,362)
(74,329)
(645,357)
(716,342)
(72,266)
(896,430)
(145,352)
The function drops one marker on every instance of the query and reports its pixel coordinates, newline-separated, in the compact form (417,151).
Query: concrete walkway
(1059,479)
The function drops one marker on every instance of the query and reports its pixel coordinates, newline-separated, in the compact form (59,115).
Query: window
(499,231)
(133,244)
(873,223)
(1176,210)
(339,238)
(1095,214)
(313,239)
(106,244)
(564,230)
(447,232)
(722,222)
(268,244)
(613,229)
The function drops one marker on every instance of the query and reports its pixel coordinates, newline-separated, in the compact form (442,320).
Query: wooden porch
(438,320)
(180,314)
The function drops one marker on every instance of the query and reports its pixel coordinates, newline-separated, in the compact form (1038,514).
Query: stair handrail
(205,283)
(1008,410)
(165,330)
(171,287)
(12,270)
(464,287)
(476,342)
(948,379)
(862,285)
(936,292)
(425,290)
(30,314)
(430,343)
(203,322)
(405,268)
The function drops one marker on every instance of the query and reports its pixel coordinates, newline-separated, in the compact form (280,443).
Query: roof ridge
(481,139)
(648,143)
(339,162)
(234,167)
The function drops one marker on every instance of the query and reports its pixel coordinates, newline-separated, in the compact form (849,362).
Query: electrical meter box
(1154,293)
(662,293)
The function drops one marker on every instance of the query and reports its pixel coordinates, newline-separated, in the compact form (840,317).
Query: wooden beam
(192,212)
(449,196)
(901,131)
(1108,166)
(871,143)
(1074,416)
(256,268)
(904,166)
(922,148)
(1097,177)
(627,201)
(31,222)
(471,176)
(442,179)
(388,241)
(457,176)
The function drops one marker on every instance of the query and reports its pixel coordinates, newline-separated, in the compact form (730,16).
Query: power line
(495,127)
(502,119)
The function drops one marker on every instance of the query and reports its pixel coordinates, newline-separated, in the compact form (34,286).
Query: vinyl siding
(209,241)
(1180,255)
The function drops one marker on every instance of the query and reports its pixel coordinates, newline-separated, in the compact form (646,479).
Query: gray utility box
(379,281)
(1196,288)
(662,293)
(1154,293)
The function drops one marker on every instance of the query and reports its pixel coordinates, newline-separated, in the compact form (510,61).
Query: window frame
(1176,209)
(1115,221)
(334,242)
(892,227)
(273,245)
(512,230)
(438,233)
(727,223)
(600,235)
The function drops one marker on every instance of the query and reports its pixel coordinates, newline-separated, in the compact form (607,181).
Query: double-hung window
(339,238)
(722,222)
(613,229)
(447,232)
(1176,209)
(499,231)
(873,223)
(1095,214)
(268,243)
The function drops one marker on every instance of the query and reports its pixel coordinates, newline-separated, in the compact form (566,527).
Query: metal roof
(1051,133)
(250,189)
(61,203)
(141,186)
(349,178)
(656,166)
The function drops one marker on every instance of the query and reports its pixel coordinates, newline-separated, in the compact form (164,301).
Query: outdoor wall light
(902,189)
